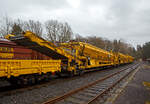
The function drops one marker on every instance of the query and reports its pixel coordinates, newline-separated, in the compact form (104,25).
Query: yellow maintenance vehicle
(69,62)
(71,58)
(75,56)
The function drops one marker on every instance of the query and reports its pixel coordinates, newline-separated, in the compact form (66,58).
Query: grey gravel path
(136,92)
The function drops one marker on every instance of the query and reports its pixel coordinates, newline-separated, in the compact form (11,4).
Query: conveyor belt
(30,40)
(35,46)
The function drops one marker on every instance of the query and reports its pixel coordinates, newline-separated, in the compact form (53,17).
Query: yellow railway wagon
(130,59)
(15,68)
(90,55)
(98,57)
(116,59)
(124,59)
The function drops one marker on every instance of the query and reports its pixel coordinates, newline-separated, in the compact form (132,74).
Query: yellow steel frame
(96,55)
(15,68)
(6,55)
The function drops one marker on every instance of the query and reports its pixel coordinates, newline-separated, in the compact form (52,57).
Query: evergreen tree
(16,29)
(146,50)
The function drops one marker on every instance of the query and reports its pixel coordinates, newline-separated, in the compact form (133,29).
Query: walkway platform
(138,90)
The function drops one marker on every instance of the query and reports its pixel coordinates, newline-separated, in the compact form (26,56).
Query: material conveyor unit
(34,42)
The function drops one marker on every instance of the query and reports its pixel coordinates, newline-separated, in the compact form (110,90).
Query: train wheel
(31,80)
(71,74)
(14,81)
(37,79)
(58,74)
(24,81)
(19,82)
(47,77)
(81,72)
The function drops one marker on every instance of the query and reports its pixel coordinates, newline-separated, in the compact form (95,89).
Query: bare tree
(57,31)
(96,41)
(52,30)
(33,26)
(108,45)
(20,23)
(65,33)
(80,38)
(116,45)
(5,26)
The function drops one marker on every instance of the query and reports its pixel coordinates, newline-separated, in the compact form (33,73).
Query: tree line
(143,51)
(56,32)
(52,30)
(109,45)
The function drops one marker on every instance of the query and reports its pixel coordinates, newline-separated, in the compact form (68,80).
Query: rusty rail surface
(108,89)
(66,95)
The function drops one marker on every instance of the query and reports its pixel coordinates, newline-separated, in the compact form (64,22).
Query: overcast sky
(112,19)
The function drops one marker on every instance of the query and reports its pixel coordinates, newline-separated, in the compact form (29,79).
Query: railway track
(10,90)
(87,94)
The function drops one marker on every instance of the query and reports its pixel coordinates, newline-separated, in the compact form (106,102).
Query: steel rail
(109,88)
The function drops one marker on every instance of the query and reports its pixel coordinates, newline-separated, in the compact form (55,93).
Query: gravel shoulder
(136,92)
